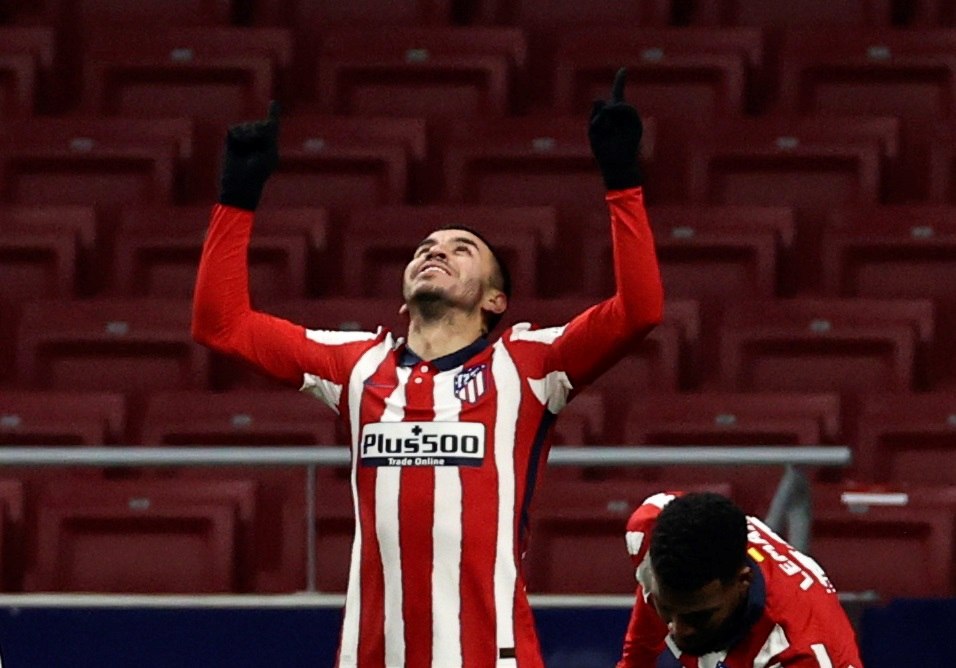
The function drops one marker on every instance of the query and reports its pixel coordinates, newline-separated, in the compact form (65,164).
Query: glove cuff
(622,178)
(247,198)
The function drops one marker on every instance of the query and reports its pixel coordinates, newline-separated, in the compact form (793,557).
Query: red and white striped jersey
(444,452)
(794,618)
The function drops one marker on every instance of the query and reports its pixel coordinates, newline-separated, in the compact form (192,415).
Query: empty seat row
(847,345)
(219,532)
(684,73)
(532,13)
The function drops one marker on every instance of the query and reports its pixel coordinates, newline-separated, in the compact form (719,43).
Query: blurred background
(800,163)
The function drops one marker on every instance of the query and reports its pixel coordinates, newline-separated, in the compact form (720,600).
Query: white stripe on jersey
(446,539)
(823,658)
(508,384)
(364,368)
(522,332)
(711,660)
(387,487)
(776,642)
(552,390)
(322,388)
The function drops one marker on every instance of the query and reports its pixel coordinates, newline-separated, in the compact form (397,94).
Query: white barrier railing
(790,506)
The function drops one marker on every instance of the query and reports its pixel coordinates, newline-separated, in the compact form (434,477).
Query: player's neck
(431,339)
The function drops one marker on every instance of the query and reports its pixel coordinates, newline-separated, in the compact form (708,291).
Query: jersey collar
(407,356)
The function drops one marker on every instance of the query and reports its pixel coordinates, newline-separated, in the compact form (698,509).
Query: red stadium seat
(571,518)
(900,251)
(705,252)
(673,73)
(729,419)
(37,265)
(26,64)
(11,534)
(90,14)
(341,162)
(805,13)
(424,72)
(903,73)
(380,243)
(850,345)
(895,551)
(94,161)
(238,418)
(220,73)
(48,418)
(530,161)
(157,251)
(928,13)
(110,345)
(906,438)
(143,536)
(317,14)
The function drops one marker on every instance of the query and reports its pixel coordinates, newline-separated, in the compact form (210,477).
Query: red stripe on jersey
(417,500)
(479,539)
(372,613)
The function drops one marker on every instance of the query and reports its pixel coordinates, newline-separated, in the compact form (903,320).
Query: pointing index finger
(617,89)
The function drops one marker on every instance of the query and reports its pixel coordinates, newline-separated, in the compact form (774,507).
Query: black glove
(615,132)
(252,153)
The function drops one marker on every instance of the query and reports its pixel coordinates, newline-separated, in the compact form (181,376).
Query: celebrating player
(717,588)
(448,429)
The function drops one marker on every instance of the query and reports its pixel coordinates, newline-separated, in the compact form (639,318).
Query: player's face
(453,266)
(704,620)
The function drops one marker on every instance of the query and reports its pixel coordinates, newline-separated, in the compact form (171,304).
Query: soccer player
(719,589)
(447,428)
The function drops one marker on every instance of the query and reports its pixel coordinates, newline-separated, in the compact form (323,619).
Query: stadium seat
(146,536)
(906,438)
(314,15)
(97,162)
(904,551)
(11,534)
(436,73)
(927,13)
(31,417)
(37,265)
(130,345)
(740,164)
(805,13)
(530,161)
(156,251)
(26,65)
(903,73)
(340,162)
(221,73)
(90,14)
(379,243)
(572,518)
(673,73)
(237,418)
(848,345)
(720,252)
(898,251)
(729,419)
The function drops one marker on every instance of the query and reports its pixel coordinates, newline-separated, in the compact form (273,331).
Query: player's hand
(252,154)
(615,132)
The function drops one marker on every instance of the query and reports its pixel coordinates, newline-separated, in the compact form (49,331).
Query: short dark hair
(698,537)
(503,277)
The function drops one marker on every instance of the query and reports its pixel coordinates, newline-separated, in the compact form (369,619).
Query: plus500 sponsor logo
(422,444)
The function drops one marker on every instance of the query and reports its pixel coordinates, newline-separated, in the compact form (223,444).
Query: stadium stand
(807,13)
(141,536)
(26,66)
(38,417)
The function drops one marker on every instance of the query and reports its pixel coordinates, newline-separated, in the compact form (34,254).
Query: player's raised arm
(223,318)
(598,337)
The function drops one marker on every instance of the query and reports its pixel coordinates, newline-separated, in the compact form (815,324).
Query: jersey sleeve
(594,340)
(224,320)
(644,640)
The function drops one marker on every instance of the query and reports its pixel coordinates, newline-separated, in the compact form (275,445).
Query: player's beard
(432,304)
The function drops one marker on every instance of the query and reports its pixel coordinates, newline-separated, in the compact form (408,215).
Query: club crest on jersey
(471,383)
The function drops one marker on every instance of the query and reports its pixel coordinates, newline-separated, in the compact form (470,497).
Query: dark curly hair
(698,537)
